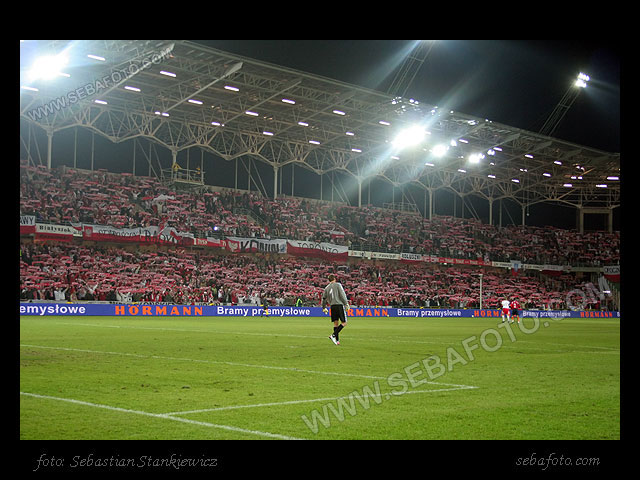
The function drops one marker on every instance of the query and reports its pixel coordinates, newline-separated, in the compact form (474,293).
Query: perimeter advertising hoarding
(169,310)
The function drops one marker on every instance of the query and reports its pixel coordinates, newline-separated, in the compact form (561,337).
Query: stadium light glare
(476,157)
(409,137)
(439,150)
(48,66)
(582,80)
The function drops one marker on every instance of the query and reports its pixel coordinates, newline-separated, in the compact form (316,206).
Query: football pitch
(282,378)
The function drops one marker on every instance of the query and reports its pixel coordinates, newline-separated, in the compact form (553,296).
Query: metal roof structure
(181,94)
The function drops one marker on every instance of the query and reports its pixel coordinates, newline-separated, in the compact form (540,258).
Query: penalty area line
(164,416)
(386,396)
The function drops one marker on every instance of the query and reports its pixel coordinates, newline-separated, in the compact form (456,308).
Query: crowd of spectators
(68,272)
(110,273)
(68,196)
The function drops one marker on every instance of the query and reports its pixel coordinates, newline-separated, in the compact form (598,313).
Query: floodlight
(475,157)
(409,137)
(582,80)
(439,150)
(48,67)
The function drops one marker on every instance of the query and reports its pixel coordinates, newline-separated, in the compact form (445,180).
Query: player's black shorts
(514,311)
(337,314)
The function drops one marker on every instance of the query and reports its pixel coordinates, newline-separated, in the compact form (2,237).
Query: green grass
(561,381)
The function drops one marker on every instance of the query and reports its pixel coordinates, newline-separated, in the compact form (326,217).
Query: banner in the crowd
(210,242)
(60,233)
(27,224)
(170,310)
(414,257)
(515,266)
(611,273)
(552,270)
(411,257)
(253,245)
(374,255)
(144,235)
(327,251)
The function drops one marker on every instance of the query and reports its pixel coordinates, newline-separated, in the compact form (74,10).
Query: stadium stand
(112,273)
(115,274)
(121,200)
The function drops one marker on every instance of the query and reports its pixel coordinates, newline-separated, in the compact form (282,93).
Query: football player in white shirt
(505,311)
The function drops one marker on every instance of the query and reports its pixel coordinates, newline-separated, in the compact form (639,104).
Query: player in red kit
(515,309)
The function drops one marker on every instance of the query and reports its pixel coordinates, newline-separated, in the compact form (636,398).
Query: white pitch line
(216,362)
(233,364)
(327,399)
(163,416)
(539,345)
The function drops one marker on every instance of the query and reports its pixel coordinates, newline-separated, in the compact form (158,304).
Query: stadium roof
(181,94)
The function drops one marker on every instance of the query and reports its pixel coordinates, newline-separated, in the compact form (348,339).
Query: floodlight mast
(409,68)
(564,105)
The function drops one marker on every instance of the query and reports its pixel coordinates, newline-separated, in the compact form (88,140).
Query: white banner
(27,224)
(252,245)
(45,231)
